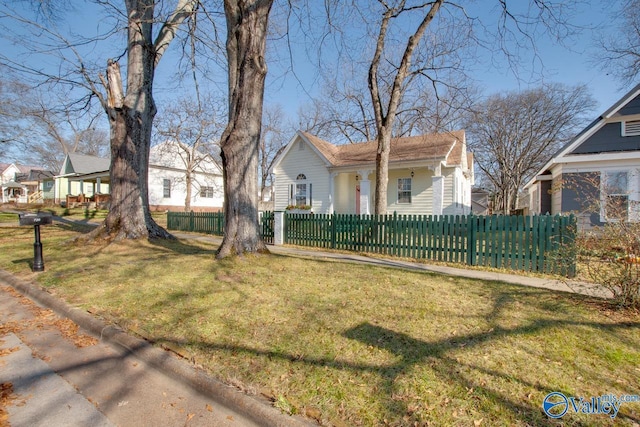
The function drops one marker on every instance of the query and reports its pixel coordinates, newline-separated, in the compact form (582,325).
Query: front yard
(347,344)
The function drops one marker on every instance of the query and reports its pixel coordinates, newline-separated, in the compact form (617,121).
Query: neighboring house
(81,174)
(428,175)
(89,175)
(597,174)
(168,165)
(24,184)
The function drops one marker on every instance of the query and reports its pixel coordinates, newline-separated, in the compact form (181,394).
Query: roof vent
(631,128)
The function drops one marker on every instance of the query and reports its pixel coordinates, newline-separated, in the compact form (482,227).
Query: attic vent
(301,145)
(631,128)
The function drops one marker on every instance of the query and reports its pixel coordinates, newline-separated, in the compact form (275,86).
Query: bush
(611,256)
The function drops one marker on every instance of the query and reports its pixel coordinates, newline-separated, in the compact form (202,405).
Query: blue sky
(572,63)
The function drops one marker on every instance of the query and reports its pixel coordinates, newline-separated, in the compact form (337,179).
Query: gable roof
(81,164)
(588,131)
(446,146)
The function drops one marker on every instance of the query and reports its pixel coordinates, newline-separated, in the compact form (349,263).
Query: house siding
(608,139)
(421,192)
(302,161)
(179,190)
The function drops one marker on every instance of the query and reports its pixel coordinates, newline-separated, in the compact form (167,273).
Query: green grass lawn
(350,344)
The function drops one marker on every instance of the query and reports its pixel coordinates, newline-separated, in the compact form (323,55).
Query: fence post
(471,239)
(334,229)
(278,228)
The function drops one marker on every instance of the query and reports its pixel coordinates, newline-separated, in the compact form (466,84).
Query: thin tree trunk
(246,43)
(382,172)
(188,183)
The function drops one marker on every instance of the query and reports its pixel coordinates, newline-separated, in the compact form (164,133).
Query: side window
(206,192)
(300,194)
(404,190)
(166,188)
(616,195)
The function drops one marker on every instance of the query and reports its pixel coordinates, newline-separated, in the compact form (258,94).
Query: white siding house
(428,174)
(167,183)
(168,179)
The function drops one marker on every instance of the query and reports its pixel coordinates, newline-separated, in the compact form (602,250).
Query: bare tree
(386,107)
(130,107)
(247,23)
(38,127)
(514,133)
(192,130)
(273,140)
(620,52)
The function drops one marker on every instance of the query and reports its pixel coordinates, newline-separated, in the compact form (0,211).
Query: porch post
(98,181)
(278,228)
(332,190)
(365,192)
(438,191)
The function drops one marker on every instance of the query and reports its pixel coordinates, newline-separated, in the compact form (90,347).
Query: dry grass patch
(353,344)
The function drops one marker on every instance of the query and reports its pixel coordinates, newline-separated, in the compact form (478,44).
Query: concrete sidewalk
(62,376)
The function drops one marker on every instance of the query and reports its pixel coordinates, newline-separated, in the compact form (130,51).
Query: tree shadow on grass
(181,247)
(440,355)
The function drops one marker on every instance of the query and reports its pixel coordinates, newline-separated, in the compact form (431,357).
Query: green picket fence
(213,223)
(539,244)
(199,222)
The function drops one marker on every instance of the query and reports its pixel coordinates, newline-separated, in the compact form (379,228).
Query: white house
(168,164)
(428,175)
(89,176)
(24,184)
(597,174)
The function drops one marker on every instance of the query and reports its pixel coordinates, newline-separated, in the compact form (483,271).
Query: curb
(253,408)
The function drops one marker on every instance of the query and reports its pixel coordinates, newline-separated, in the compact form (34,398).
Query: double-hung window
(300,192)
(206,192)
(404,190)
(616,195)
(166,188)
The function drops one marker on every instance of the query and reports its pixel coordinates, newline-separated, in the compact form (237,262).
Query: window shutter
(310,195)
(291,194)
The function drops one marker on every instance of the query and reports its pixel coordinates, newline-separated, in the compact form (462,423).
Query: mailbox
(36,220)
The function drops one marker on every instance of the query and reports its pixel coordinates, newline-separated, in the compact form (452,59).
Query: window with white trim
(404,190)
(631,128)
(166,188)
(206,192)
(616,195)
(300,192)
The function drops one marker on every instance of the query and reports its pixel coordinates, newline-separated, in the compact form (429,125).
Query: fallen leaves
(6,399)
(46,318)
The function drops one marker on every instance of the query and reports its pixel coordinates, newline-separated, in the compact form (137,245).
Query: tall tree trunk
(131,119)
(385,115)
(246,43)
